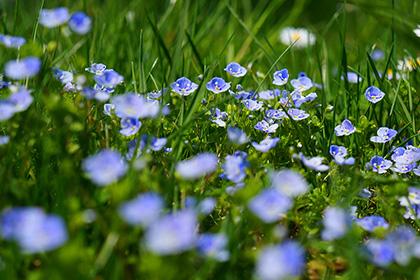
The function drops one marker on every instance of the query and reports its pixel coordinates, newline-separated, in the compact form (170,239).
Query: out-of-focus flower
(158,144)
(370,223)
(34,230)
(381,251)
(281,77)
(352,77)
(378,55)
(142,210)
(252,105)
(270,205)
(108,78)
(105,167)
(339,153)
(197,166)
(129,126)
(206,206)
(301,37)
(237,135)
(302,83)
(314,163)
(51,18)
(217,85)
(265,145)
(264,126)
(234,168)
(417,30)
(403,240)
(411,203)
(22,69)
(235,69)
(12,41)
(408,64)
(213,246)
(297,114)
(132,105)
(374,94)
(80,23)
(173,233)
(289,182)
(4,139)
(282,261)
(336,223)
(385,134)
(183,86)
(345,128)
(379,164)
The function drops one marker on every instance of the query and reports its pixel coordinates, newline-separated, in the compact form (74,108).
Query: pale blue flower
(54,17)
(299,99)
(345,128)
(96,68)
(22,69)
(371,223)
(339,153)
(143,210)
(352,77)
(206,206)
(7,110)
(289,182)
(197,166)
(109,109)
(275,114)
(132,105)
(108,78)
(270,205)
(297,114)
(403,168)
(129,126)
(252,105)
(12,41)
(280,77)
(381,251)
(183,86)
(302,83)
(374,94)
(314,163)
(65,77)
(384,135)
(266,144)
(336,223)
(264,126)
(379,164)
(234,168)
(80,23)
(217,85)
(237,135)
(269,94)
(411,203)
(213,246)
(406,156)
(218,117)
(158,144)
(4,140)
(236,70)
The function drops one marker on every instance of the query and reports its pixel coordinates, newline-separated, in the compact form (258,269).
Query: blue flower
(12,41)
(80,23)
(374,94)
(370,223)
(379,164)
(297,114)
(403,168)
(339,153)
(275,114)
(384,135)
(299,99)
(302,83)
(237,136)
(108,79)
(289,182)
(314,163)
(234,168)
(336,223)
(97,92)
(411,203)
(104,168)
(270,205)
(217,85)
(96,68)
(7,110)
(143,210)
(218,117)
(197,166)
(132,105)
(34,230)
(280,77)
(236,70)
(4,140)
(206,206)
(65,77)
(403,240)
(242,95)
(406,156)
(173,233)
(282,261)
(22,69)
(213,246)
(269,94)
(252,105)
(381,251)
(345,128)
(129,126)
(353,78)
(54,17)
(157,144)
(266,144)
(264,126)
(184,87)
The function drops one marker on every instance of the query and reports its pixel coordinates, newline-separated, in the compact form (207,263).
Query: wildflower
(65,77)
(379,164)
(297,114)
(219,117)
(34,230)
(314,163)
(22,69)
(234,168)
(339,154)
(289,182)
(266,144)
(252,105)
(104,168)
(129,126)
(142,210)
(264,126)
(403,168)
(109,79)
(237,136)
(403,240)
(206,206)
(336,223)
(80,23)
(54,17)
(7,110)
(345,128)
(377,55)
(282,261)
(132,105)
(12,41)
(406,156)
(298,99)
(217,85)
(370,223)
(352,78)
(270,205)
(183,86)
(268,94)
(213,246)
(275,114)
(374,94)
(384,135)
(411,203)
(236,70)
(173,233)
(302,83)
(381,251)
(241,95)
(4,140)
(300,37)
(96,68)
(197,166)
(158,144)
(280,77)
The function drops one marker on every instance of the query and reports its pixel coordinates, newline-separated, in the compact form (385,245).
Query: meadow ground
(209,139)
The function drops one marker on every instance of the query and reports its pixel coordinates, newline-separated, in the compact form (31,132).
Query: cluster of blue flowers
(78,22)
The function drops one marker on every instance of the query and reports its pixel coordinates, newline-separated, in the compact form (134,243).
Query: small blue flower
(7,110)
(184,87)
(381,251)
(236,70)
(377,54)
(54,17)
(22,69)
(96,68)
(280,77)
(197,166)
(129,126)
(384,135)
(275,114)
(218,117)
(403,240)
(105,168)
(242,95)
(265,127)
(213,246)
(65,77)
(345,128)
(143,210)
(297,114)
(289,182)
(314,163)
(302,83)
(352,77)
(217,85)
(98,93)
(266,144)
(158,144)
(237,136)
(270,205)
(284,261)
(109,79)
(411,202)
(299,99)
(173,233)
(80,23)
(12,41)
(339,153)
(403,168)
(406,156)
(379,164)
(252,105)
(206,206)
(132,105)
(4,140)
(234,168)
(269,94)
(21,99)
(374,94)
(370,223)
(336,223)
